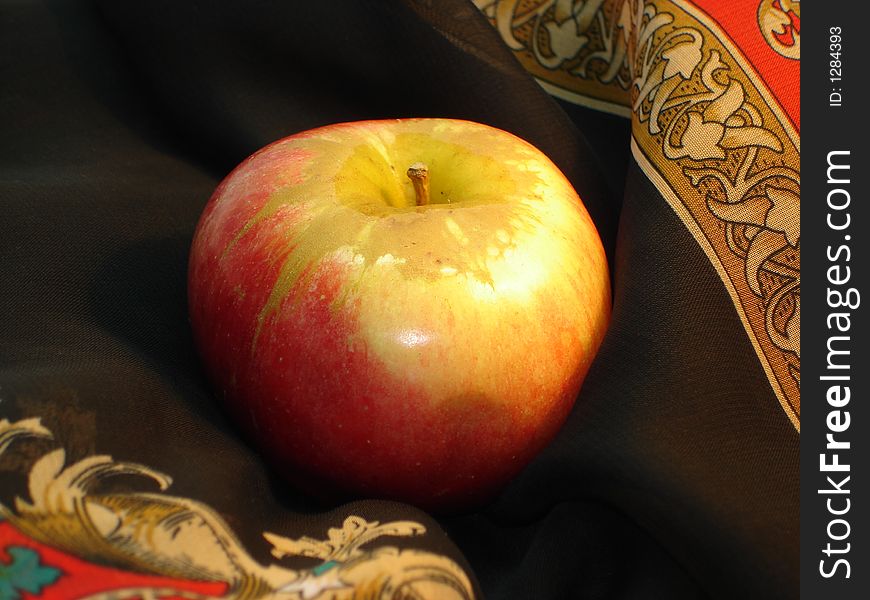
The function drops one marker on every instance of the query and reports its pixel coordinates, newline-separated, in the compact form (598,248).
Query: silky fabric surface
(674,477)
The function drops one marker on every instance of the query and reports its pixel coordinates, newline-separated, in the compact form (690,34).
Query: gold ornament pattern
(729,164)
(577,50)
(776,20)
(705,130)
(159,534)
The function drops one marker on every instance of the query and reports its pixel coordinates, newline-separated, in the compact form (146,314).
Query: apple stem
(418,173)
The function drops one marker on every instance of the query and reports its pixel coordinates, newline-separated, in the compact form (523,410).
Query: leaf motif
(682,58)
(649,85)
(751,211)
(25,573)
(662,94)
(563,10)
(582,13)
(655,23)
(72,482)
(42,474)
(784,215)
(564,40)
(773,19)
(54,489)
(701,139)
(176,536)
(713,64)
(742,137)
(342,543)
(726,104)
(504,17)
(304,546)
(777,27)
(374,530)
(9,432)
(352,527)
(75,480)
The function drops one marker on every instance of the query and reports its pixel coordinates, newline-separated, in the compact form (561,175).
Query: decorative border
(577,51)
(731,162)
(706,130)
(74,540)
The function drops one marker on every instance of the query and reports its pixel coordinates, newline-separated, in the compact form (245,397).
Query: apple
(402,309)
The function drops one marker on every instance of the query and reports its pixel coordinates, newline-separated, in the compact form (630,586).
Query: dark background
(674,477)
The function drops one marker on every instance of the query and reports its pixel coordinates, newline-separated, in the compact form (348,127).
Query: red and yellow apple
(401,309)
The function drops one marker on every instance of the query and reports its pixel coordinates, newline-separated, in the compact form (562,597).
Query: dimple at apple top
(676,474)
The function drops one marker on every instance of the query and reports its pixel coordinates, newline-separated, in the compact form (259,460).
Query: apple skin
(372,347)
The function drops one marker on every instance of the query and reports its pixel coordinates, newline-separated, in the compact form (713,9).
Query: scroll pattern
(704,128)
(577,49)
(157,534)
(702,122)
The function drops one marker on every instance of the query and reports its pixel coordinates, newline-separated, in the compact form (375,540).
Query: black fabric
(676,474)
(682,435)
(236,76)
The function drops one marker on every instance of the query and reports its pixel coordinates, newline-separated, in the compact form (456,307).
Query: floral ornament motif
(565,21)
(712,131)
(665,65)
(26,428)
(578,48)
(342,543)
(780,24)
(24,573)
(785,204)
(705,130)
(694,116)
(175,537)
